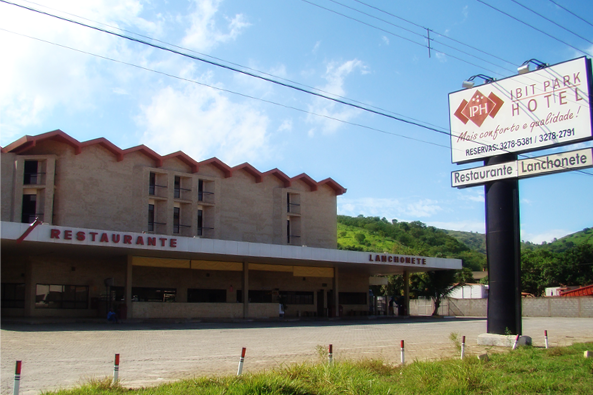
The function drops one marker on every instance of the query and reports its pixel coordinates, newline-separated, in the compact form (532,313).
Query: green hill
(376,234)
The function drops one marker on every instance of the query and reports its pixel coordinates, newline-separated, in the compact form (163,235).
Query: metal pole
(503,252)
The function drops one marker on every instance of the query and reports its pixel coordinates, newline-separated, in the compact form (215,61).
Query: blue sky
(57,75)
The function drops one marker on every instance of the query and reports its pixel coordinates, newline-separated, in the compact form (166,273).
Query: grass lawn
(527,370)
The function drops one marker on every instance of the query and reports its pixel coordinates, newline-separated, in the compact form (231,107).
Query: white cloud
(385,40)
(547,236)
(204,32)
(204,123)
(335,76)
(68,79)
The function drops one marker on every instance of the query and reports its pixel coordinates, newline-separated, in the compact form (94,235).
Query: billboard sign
(540,109)
(524,168)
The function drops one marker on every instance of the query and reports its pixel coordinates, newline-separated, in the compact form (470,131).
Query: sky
(55,74)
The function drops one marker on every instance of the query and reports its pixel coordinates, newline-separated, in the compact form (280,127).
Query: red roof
(583,291)
(25,143)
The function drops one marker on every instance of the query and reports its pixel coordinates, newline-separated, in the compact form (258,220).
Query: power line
(229,62)
(402,37)
(415,33)
(225,90)
(439,34)
(234,69)
(256,98)
(533,27)
(572,13)
(242,72)
(551,21)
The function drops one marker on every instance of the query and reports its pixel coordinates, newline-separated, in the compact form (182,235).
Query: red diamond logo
(478,108)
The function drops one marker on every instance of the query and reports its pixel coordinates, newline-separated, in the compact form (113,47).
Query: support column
(245,289)
(503,252)
(30,289)
(336,292)
(128,296)
(407,292)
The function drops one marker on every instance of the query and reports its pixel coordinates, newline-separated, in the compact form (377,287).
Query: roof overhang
(103,243)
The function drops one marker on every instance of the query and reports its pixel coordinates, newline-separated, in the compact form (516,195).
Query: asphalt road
(62,355)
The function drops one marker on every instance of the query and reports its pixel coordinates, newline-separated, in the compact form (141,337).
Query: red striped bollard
(516,342)
(116,369)
(241,360)
(17,377)
(403,356)
(330,354)
(462,347)
(546,337)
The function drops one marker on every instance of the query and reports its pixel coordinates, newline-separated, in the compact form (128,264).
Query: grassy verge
(526,370)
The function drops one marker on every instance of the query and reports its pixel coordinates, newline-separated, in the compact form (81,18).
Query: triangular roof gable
(246,167)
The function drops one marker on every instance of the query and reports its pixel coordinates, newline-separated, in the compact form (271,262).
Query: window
(151,217)
(256,296)
(177,190)
(288,231)
(13,295)
(146,294)
(29,209)
(200,222)
(176,215)
(195,295)
(54,296)
(200,190)
(353,298)
(152,184)
(31,172)
(296,297)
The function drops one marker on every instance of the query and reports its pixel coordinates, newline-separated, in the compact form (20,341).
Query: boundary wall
(574,307)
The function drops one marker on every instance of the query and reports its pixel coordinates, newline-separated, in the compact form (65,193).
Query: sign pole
(503,252)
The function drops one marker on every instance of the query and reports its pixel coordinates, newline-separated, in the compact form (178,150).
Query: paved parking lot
(58,355)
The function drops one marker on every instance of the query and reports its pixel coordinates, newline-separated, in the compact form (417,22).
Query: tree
(435,284)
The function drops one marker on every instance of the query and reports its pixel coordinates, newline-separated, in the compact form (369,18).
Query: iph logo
(478,108)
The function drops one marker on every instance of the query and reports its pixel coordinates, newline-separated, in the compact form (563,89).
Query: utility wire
(416,33)
(234,69)
(572,13)
(225,90)
(255,98)
(439,34)
(395,35)
(242,72)
(229,62)
(533,27)
(551,21)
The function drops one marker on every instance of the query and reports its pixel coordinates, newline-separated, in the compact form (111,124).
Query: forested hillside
(564,262)
(407,238)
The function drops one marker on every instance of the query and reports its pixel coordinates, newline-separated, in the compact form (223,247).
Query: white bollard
(330,354)
(403,356)
(116,369)
(546,337)
(462,347)
(17,377)
(516,342)
(241,360)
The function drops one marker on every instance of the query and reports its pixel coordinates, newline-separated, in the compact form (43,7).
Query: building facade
(154,236)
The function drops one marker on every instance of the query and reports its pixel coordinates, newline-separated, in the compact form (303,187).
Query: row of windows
(177,225)
(179,188)
(58,296)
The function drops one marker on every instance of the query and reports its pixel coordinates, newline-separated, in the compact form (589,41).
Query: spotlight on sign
(524,68)
(469,83)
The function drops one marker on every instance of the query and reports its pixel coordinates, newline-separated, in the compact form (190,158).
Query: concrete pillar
(30,289)
(245,289)
(407,291)
(128,296)
(336,292)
